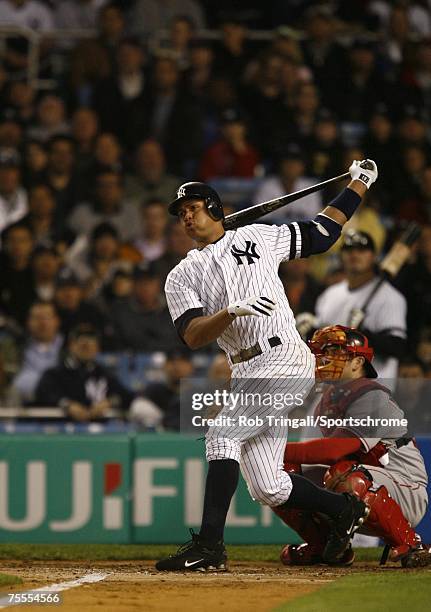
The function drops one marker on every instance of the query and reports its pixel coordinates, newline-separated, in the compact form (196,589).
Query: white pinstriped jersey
(244,262)
(386,312)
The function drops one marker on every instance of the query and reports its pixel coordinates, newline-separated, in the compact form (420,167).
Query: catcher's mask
(335,345)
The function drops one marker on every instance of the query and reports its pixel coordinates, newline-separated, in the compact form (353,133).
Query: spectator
(417,80)
(11,133)
(264,102)
(85,127)
(108,206)
(233,53)
(45,264)
(150,179)
(412,129)
(13,197)
(152,242)
(42,348)
(41,219)
(166,395)
(232,155)
(324,147)
(305,111)
(107,152)
(9,396)
(60,176)
(118,289)
(418,209)
(198,75)
(94,59)
(412,164)
(322,54)
(142,321)
(173,118)
(382,320)
(181,33)
(363,85)
(83,388)
(20,102)
(27,14)
(35,162)
(71,306)
(77,14)
(51,119)
(119,100)
(380,143)
(17,291)
(398,40)
(95,263)
(178,245)
(292,76)
(148,16)
(414,281)
(291,177)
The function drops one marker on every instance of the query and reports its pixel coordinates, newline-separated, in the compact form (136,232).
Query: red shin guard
(386,519)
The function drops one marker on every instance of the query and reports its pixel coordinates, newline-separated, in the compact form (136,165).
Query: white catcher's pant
(283,371)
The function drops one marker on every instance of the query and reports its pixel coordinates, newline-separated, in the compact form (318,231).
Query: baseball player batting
(379,464)
(228,289)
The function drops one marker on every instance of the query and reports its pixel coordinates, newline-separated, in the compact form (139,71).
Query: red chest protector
(334,403)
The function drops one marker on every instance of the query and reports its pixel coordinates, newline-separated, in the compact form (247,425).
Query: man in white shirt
(382,319)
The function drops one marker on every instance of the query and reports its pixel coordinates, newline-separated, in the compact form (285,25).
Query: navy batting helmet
(199,191)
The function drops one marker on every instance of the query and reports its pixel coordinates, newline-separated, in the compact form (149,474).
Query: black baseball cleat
(195,556)
(343,527)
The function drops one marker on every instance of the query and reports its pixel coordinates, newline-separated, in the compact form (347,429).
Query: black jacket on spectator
(85,384)
(180,133)
(17,292)
(124,118)
(168,400)
(139,330)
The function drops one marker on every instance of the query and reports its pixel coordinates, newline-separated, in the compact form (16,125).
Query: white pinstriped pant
(259,449)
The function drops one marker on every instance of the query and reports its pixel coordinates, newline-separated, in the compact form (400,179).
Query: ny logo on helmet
(249,253)
(181,192)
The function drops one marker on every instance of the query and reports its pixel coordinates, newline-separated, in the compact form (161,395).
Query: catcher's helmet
(199,191)
(345,343)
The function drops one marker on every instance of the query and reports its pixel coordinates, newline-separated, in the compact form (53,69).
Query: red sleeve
(325,450)
(245,163)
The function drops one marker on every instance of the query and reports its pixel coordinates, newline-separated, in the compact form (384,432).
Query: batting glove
(364,171)
(258,306)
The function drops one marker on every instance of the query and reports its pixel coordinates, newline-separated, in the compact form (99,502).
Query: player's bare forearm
(335,214)
(204,330)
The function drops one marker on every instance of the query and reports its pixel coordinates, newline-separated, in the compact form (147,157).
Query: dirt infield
(131,585)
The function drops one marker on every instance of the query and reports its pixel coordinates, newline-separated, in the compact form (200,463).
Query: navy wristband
(347,202)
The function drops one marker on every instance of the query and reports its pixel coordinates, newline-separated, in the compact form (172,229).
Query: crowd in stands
(162,91)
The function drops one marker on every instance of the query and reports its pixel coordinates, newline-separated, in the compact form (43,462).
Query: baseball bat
(395,259)
(243,217)
(248,215)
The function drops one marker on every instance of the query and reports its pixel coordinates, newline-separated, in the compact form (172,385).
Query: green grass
(123,552)
(394,590)
(6,580)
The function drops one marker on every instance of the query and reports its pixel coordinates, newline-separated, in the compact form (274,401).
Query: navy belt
(254,351)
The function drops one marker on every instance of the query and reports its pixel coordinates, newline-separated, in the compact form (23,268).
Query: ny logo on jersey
(249,253)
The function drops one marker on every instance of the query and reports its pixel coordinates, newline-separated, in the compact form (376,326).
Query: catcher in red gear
(381,465)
